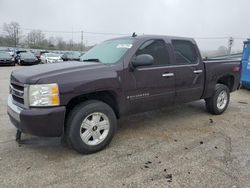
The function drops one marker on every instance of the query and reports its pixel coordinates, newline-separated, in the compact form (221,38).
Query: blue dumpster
(245,75)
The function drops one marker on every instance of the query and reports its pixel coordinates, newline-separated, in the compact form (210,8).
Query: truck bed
(225,70)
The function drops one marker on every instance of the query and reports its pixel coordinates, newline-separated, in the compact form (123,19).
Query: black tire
(211,103)
(75,119)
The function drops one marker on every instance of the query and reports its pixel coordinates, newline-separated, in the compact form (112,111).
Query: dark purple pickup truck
(81,101)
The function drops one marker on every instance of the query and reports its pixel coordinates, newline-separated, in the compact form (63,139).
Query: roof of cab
(159,36)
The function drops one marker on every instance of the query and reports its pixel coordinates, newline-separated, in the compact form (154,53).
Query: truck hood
(31,75)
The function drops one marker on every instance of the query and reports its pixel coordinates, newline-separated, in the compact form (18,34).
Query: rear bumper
(48,122)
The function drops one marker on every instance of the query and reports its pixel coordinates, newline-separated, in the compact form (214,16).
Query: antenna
(134,35)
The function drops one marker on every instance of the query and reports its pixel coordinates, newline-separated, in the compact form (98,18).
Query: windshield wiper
(93,60)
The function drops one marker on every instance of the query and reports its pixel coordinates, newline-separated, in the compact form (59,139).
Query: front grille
(17,92)
(18,99)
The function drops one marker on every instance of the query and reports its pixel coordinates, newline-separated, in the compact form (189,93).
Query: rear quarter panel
(215,70)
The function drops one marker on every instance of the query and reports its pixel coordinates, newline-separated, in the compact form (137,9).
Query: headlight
(44,95)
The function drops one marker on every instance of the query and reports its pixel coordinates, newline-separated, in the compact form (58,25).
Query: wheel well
(228,81)
(107,97)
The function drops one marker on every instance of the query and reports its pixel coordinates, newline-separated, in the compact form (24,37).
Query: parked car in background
(71,56)
(17,52)
(6,49)
(26,58)
(39,53)
(51,58)
(6,58)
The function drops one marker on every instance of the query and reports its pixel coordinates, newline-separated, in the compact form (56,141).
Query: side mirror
(143,60)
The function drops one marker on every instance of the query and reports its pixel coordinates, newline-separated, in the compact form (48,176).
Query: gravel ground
(183,146)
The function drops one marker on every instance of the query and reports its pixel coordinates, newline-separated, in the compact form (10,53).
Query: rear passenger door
(189,71)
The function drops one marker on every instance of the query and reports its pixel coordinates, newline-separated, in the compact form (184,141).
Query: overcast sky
(193,18)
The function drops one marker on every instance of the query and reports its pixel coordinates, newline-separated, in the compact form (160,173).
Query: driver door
(151,86)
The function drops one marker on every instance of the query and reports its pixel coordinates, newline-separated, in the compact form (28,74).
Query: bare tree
(52,42)
(35,38)
(71,44)
(61,44)
(222,50)
(13,32)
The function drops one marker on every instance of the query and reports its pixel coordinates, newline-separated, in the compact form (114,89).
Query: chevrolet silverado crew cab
(81,101)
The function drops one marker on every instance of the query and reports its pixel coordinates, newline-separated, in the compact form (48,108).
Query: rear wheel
(90,126)
(218,103)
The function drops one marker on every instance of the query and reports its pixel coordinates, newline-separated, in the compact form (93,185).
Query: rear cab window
(185,52)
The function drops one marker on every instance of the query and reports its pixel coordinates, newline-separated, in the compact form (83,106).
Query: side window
(185,52)
(156,48)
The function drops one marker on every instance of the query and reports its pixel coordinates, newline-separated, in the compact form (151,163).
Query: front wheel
(90,126)
(219,101)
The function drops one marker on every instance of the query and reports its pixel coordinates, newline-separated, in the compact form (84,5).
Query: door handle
(198,71)
(167,74)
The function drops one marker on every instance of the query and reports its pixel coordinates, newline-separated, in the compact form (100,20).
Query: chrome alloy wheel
(94,128)
(222,100)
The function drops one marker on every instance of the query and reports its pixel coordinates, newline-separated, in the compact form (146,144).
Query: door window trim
(154,66)
(194,48)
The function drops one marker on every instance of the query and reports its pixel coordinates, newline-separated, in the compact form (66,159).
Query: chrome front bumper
(48,122)
(13,110)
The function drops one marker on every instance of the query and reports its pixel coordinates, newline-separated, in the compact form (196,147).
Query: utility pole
(17,37)
(72,38)
(15,30)
(230,44)
(81,40)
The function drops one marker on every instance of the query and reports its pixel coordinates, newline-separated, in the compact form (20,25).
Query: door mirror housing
(143,60)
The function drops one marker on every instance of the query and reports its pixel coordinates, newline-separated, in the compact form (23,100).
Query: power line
(70,32)
(120,34)
(205,38)
(50,31)
(219,38)
(98,33)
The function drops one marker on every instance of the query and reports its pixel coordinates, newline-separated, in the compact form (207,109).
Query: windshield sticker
(124,45)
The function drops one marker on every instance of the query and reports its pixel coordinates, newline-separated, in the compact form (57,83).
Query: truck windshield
(108,52)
